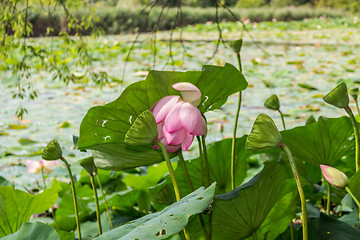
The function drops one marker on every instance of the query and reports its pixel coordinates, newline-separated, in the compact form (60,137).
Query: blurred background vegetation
(123,16)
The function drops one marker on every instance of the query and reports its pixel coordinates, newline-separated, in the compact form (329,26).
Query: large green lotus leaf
(323,142)
(16,206)
(354,184)
(219,157)
(250,208)
(171,220)
(333,229)
(104,127)
(34,231)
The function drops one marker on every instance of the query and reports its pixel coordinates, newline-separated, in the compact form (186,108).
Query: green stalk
(357,137)
(300,189)
(74,196)
(96,203)
(254,236)
(173,179)
(43,176)
(206,160)
(106,205)
(171,170)
(292,230)
(328,198)
(352,195)
(357,107)
(186,172)
(232,165)
(282,119)
(201,160)
(191,187)
(207,179)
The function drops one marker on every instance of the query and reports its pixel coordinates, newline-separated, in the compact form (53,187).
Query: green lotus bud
(264,134)
(144,130)
(272,103)
(52,151)
(236,45)
(310,120)
(338,97)
(354,93)
(88,164)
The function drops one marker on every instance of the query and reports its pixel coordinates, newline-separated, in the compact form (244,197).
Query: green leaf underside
(323,142)
(354,185)
(104,127)
(333,229)
(250,208)
(16,206)
(34,231)
(171,220)
(144,130)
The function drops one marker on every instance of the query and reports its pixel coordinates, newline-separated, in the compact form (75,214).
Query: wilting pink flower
(178,119)
(36,166)
(335,177)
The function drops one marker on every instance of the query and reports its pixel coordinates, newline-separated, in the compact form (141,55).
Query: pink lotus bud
(335,177)
(189,92)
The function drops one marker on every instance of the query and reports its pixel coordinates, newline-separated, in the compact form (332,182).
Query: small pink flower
(36,166)
(335,177)
(178,118)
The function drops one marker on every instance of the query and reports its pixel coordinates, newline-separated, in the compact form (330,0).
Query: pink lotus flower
(36,166)
(335,177)
(178,119)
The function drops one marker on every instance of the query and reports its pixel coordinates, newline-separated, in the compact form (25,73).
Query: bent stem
(96,203)
(356,131)
(354,198)
(74,196)
(232,165)
(300,189)
(43,176)
(191,188)
(282,119)
(357,107)
(106,205)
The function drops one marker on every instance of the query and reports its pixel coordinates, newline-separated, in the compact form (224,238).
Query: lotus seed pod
(264,134)
(236,45)
(88,164)
(272,103)
(338,97)
(52,151)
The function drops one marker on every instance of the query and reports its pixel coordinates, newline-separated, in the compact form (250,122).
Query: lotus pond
(226,189)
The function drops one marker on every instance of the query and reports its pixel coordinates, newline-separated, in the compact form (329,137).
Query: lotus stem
(171,170)
(354,198)
(207,178)
(291,230)
(328,198)
(106,205)
(43,176)
(356,131)
(201,160)
(74,196)
(191,188)
(96,203)
(282,119)
(300,189)
(357,107)
(232,165)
